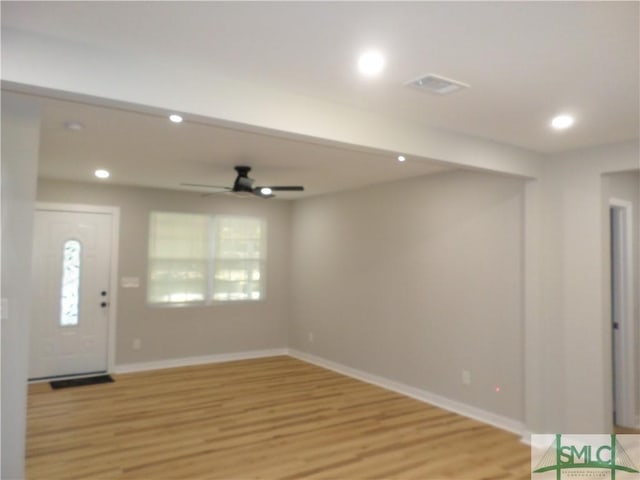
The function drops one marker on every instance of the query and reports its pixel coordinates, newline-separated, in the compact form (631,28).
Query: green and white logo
(586,457)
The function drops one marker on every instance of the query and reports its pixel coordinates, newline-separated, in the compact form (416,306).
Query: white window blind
(238,258)
(203,258)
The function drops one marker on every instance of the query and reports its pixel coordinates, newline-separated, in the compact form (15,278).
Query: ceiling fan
(243,185)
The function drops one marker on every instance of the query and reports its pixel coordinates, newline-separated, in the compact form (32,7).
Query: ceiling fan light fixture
(243,186)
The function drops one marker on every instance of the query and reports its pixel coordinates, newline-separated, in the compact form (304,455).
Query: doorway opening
(623,329)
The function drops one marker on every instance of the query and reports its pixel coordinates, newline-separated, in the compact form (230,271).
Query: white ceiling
(525,62)
(149,150)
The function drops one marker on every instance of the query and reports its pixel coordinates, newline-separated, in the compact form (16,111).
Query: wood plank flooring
(273,418)
(625,430)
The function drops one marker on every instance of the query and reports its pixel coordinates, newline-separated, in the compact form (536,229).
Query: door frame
(627,414)
(113,265)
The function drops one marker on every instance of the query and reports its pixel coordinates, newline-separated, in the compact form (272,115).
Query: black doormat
(79,382)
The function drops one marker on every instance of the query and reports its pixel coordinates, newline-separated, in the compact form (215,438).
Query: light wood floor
(625,430)
(274,418)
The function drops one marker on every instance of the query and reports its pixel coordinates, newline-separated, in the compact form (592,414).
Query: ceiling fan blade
(282,188)
(243,186)
(204,186)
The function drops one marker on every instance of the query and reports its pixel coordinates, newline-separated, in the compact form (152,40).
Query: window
(238,259)
(70,290)
(203,258)
(178,258)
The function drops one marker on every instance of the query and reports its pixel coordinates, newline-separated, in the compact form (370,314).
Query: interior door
(69,325)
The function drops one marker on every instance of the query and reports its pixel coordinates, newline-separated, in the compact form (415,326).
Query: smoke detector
(436,84)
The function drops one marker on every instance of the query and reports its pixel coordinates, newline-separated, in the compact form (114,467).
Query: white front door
(69,325)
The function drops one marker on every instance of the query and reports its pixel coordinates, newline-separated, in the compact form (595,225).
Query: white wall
(20,140)
(566,333)
(575,352)
(416,281)
(172,332)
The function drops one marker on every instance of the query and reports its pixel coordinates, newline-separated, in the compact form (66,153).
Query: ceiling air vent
(438,85)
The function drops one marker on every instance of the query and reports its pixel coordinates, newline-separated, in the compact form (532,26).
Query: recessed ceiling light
(371,63)
(175,118)
(401,158)
(100,173)
(562,121)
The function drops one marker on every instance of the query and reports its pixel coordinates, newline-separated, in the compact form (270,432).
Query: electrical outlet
(466,377)
(310,336)
(137,344)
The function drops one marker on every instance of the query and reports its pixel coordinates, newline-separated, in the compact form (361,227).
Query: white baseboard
(201,360)
(526,437)
(499,421)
